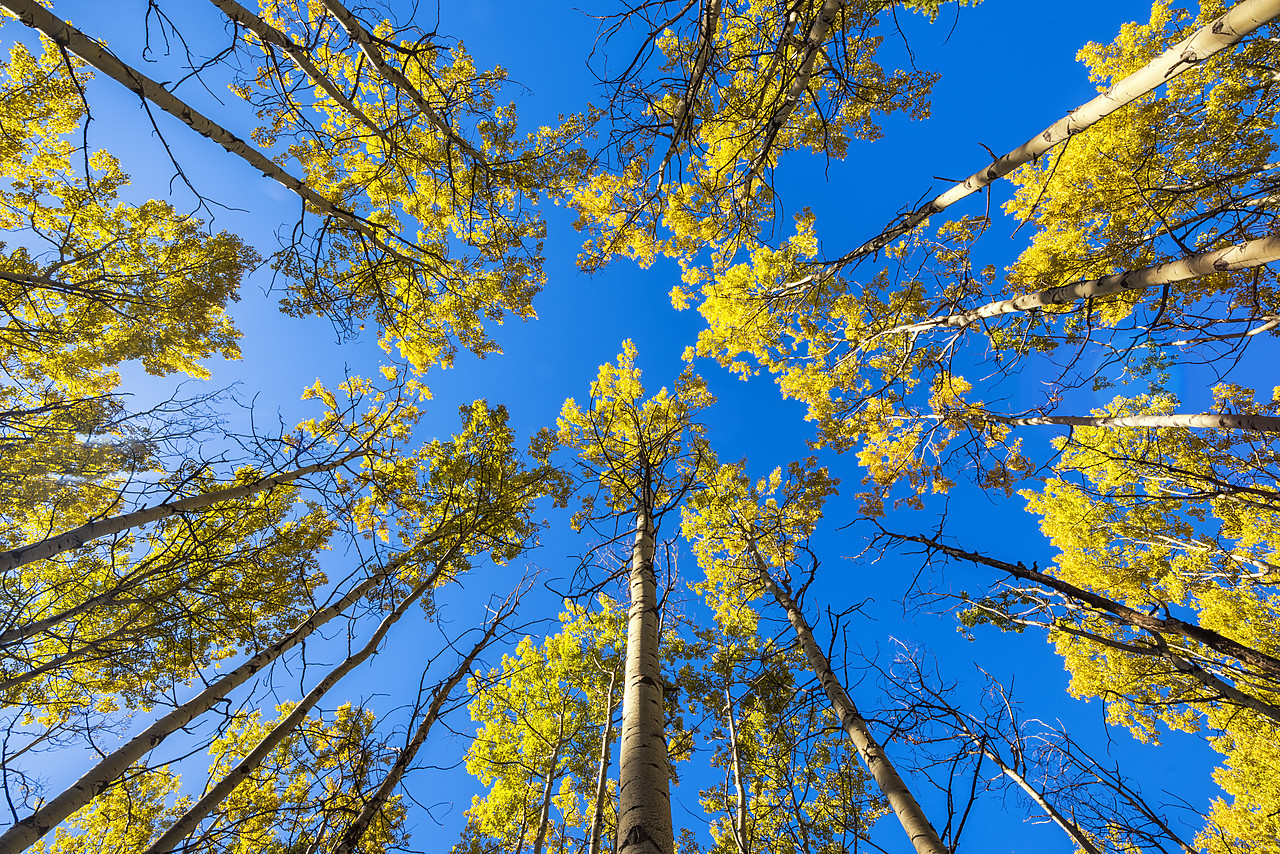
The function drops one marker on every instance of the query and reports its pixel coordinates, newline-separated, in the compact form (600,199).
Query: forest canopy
(803,495)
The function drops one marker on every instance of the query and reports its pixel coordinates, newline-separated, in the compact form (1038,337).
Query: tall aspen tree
(645,455)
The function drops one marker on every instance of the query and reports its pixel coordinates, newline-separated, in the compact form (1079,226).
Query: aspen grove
(804,496)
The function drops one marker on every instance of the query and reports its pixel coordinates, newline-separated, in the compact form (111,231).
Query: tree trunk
(923,837)
(38,18)
(812,48)
(360,36)
(26,832)
(351,837)
(548,788)
(597,814)
(190,820)
(1213,37)
(740,816)
(1221,421)
(76,537)
(269,35)
(1241,256)
(644,794)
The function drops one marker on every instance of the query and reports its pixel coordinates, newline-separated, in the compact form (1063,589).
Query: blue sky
(1007,71)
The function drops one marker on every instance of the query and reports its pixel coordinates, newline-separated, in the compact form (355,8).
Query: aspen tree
(735,525)
(645,455)
(539,720)
(297,797)
(354,834)
(1165,602)
(715,96)
(470,495)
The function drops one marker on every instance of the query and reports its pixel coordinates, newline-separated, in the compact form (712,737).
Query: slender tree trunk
(740,791)
(1215,36)
(190,820)
(810,52)
(360,36)
(76,537)
(597,813)
(351,837)
(1220,421)
(269,35)
(1266,664)
(548,788)
(27,831)
(923,837)
(1241,256)
(644,794)
(39,18)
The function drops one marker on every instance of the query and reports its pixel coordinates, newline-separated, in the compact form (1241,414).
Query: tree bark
(1221,421)
(197,812)
(76,537)
(351,837)
(1241,256)
(27,831)
(812,48)
(360,36)
(548,788)
(39,18)
(644,794)
(269,35)
(923,837)
(740,791)
(597,815)
(1215,36)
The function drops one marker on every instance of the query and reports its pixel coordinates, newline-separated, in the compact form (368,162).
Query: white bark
(1241,256)
(1215,36)
(813,41)
(1220,421)
(76,537)
(197,812)
(548,787)
(923,837)
(27,831)
(360,36)
(644,793)
(1068,826)
(740,791)
(597,814)
(37,17)
(269,35)
(1155,626)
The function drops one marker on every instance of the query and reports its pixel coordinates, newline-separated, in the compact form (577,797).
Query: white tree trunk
(269,35)
(548,788)
(26,832)
(597,814)
(351,837)
(37,17)
(1215,36)
(197,812)
(812,48)
(360,36)
(923,837)
(1220,421)
(1241,256)
(76,537)
(644,793)
(740,791)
